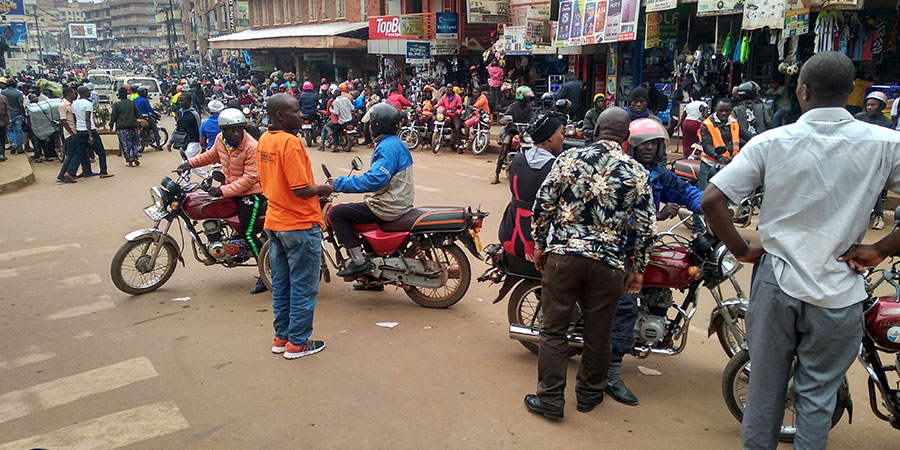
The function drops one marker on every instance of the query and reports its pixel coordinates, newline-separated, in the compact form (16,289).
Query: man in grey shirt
(806,292)
(16,115)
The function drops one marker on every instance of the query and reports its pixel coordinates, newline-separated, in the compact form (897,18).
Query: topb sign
(395,27)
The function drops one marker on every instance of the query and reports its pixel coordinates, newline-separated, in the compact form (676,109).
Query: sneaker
(297,351)
(878,223)
(278,345)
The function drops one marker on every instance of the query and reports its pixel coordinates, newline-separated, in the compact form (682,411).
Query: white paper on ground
(387,324)
(181,299)
(648,371)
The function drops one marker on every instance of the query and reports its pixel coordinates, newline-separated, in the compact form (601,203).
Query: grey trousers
(825,342)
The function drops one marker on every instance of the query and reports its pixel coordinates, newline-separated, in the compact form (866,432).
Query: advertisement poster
(446,25)
(661,5)
(565,20)
(612,82)
(487,11)
(763,13)
(600,21)
(395,27)
(651,31)
(628,24)
(590,10)
(12,7)
(83,31)
(796,17)
(613,18)
(576,19)
(16,34)
(514,42)
(411,26)
(418,52)
(537,19)
(719,7)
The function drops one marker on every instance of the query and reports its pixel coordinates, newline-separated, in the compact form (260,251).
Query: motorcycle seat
(687,168)
(521,267)
(429,218)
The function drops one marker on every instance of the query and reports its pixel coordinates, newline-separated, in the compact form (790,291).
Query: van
(103,84)
(152,85)
(115,73)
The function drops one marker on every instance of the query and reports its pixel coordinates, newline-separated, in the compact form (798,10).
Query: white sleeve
(895,107)
(744,174)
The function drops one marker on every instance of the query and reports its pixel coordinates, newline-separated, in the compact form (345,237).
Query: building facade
(125,27)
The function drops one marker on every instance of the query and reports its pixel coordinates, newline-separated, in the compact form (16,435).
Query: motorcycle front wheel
(459,275)
(480,142)
(729,342)
(524,309)
(736,385)
(131,271)
(410,138)
(436,142)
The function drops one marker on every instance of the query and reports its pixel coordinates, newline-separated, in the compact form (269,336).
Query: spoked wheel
(410,138)
(436,142)
(731,343)
(480,142)
(524,309)
(459,275)
(344,142)
(163,138)
(736,385)
(265,271)
(132,271)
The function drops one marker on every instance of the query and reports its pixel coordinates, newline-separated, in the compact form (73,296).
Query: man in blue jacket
(142,101)
(647,141)
(309,101)
(388,182)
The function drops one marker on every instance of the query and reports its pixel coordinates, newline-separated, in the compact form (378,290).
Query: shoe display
(279,345)
(297,351)
(535,405)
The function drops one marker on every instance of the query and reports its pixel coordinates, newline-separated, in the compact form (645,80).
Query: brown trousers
(596,286)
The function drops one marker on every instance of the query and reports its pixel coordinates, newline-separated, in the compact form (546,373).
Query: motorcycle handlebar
(327,172)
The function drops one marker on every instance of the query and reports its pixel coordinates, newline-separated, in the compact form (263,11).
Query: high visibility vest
(717,137)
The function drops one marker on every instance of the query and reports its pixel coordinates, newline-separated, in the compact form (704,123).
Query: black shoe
(588,406)
(260,287)
(620,393)
(353,270)
(361,286)
(535,405)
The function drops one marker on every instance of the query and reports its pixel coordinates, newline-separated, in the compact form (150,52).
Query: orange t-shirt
(283,166)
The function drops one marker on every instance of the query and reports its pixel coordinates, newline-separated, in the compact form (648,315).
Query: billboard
(446,25)
(83,31)
(12,7)
(488,11)
(584,22)
(407,26)
(16,34)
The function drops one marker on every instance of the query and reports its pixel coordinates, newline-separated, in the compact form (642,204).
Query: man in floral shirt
(580,219)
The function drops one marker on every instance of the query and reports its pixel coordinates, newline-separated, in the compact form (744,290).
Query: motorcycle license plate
(307,126)
(477,240)
(155,213)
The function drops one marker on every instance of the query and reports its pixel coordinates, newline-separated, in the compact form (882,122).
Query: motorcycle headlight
(158,196)
(728,264)
(246,111)
(570,130)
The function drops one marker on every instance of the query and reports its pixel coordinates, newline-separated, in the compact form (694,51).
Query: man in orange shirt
(294,225)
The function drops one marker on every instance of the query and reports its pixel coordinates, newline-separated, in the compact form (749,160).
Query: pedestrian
(750,112)
(294,225)
(590,198)
(495,79)
(87,139)
(638,102)
(805,316)
(590,117)
(573,91)
(42,126)
(16,114)
(123,120)
(189,125)
(210,127)
(72,155)
(876,101)
(692,116)
(4,122)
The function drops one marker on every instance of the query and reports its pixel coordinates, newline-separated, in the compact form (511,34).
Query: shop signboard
(444,48)
(594,22)
(796,17)
(418,52)
(537,21)
(613,17)
(852,4)
(612,70)
(407,26)
(661,5)
(651,31)
(446,25)
(487,11)
(16,34)
(763,13)
(12,7)
(719,7)
(514,43)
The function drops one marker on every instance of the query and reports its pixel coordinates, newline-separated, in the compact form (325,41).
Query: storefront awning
(343,35)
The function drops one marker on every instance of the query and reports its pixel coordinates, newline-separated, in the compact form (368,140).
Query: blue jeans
(14,131)
(295,259)
(623,324)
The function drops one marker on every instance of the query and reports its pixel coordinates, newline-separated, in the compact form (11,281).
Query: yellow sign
(411,25)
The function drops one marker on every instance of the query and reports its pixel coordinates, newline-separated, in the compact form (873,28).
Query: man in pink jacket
(451,102)
(236,151)
(495,80)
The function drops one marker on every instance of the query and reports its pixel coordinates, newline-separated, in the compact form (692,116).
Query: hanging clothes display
(844,26)
(871,35)
(860,33)
(737,50)
(727,47)
(745,49)
(826,26)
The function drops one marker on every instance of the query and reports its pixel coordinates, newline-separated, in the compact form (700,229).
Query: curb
(15,174)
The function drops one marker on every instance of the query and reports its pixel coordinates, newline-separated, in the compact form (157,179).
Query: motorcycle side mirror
(327,172)
(356,163)
(218,175)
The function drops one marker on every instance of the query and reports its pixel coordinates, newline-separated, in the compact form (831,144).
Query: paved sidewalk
(15,173)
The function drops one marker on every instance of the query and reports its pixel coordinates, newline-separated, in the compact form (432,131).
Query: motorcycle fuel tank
(883,323)
(668,268)
(204,206)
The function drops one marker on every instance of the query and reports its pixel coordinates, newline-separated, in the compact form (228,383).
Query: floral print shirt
(589,200)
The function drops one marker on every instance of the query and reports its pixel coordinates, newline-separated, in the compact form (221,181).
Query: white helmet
(231,118)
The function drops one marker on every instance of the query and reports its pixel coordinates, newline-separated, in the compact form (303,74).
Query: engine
(231,249)
(650,328)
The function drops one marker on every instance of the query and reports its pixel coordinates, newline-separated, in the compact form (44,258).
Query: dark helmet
(384,119)
(135,87)
(748,91)
(142,91)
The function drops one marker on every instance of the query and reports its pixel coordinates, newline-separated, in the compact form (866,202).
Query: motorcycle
(520,140)
(346,138)
(572,135)
(675,264)
(688,169)
(148,257)
(417,252)
(257,115)
(881,335)
(146,136)
(311,129)
(442,132)
(482,134)
(412,130)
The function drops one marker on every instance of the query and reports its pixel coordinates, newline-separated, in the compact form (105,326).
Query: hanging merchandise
(892,38)
(763,13)
(826,27)
(745,49)
(727,47)
(737,50)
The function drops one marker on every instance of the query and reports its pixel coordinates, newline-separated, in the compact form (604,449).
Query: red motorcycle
(148,257)
(675,264)
(417,252)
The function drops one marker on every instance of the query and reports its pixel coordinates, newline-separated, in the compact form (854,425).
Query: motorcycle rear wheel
(410,138)
(265,271)
(524,309)
(459,275)
(308,136)
(142,280)
(163,138)
(344,142)
(736,383)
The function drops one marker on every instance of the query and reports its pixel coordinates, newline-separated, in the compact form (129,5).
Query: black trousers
(250,209)
(596,286)
(342,218)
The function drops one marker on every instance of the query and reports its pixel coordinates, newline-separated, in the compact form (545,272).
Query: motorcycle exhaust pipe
(525,334)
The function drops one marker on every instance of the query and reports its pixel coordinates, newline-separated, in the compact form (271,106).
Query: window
(265,8)
(257,12)
(326,10)
(362,9)
(313,11)
(340,13)
(287,12)
(298,14)
(277,10)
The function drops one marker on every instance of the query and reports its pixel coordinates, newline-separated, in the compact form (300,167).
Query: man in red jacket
(452,104)
(236,151)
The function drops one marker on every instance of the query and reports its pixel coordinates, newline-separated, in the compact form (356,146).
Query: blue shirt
(143,106)
(210,129)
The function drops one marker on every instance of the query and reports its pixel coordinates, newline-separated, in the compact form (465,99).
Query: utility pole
(37,28)
(169,38)
(172,38)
